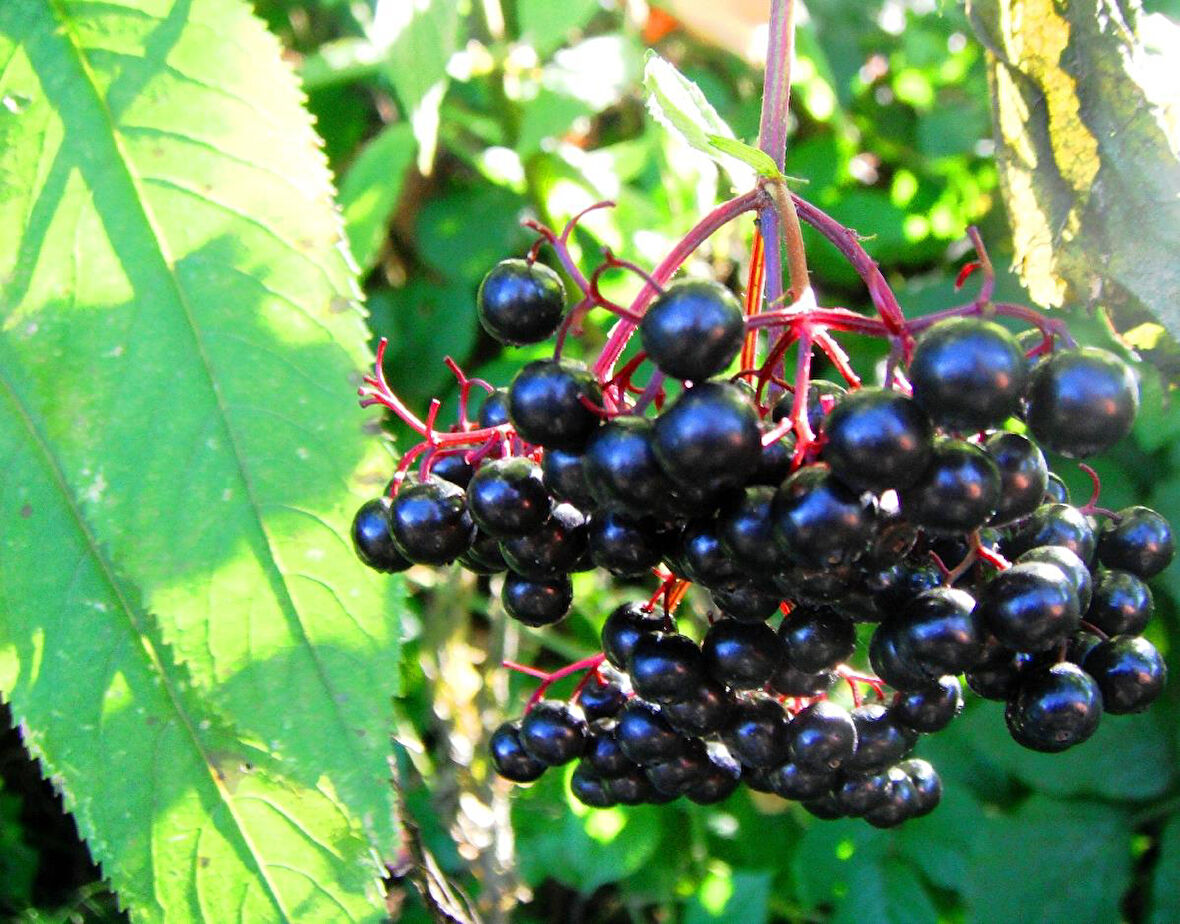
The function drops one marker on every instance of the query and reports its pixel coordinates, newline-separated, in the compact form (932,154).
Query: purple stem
(772,130)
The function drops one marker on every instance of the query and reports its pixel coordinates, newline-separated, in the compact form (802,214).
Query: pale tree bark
(1087,127)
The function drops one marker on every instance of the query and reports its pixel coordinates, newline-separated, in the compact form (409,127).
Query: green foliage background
(445,123)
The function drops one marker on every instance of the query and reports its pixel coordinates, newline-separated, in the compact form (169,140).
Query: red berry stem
(548,679)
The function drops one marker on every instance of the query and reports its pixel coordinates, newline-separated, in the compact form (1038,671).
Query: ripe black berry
(792,781)
(564,475)
(701,712)
(1121,604)
(757,731)
(520,302)
(1024,476)
(1073,567)
(939,631)
(589,788)
(507,498)
(624,627)
(881,740)
(625,545)
(1055,708)
(1140,542)
(877,440)
(645,735)
(1129,671)
(741,655)
(553,732)
(372,537)
(430,522)
(930,709)
(537,603)
(968,374)
(546,403)
(494,410)
(823,736)
(1081,402)
(620,467)
(958,492)
(665,666)
(452,467)
(693,330)
(1030,607)
(819,521)
(510,758)
(709,437)
(927,785)
(1053,524)
(745,526)
(816,638)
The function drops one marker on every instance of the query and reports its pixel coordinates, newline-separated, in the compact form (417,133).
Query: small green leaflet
(762,162)
(679,105)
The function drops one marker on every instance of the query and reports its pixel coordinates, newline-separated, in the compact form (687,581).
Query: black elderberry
(603,753)
(589,788)
(548,404)
(1139,541)
(624,627)
(520,302)
(968,374)
(700,712)
(430,522)
(930,709)
(823,736)
(792,781)
(1121,603)
(745,526)
(825,808)
(1054,708)
(747,602)
(997,675)
(1073,567)
(821,522)
(757,732)
(494,410)
(621,469)
(900,803)
(553,732)
(601,698)
(881,739)
(704,558)
(506,497)
(877,440)
(1129,671)
(510,759)
(632,789)
(564,475)
(939,632)
(1053,524)
(788,680)
(645,735)
(677,775)
(554,548)
(1081,402)
(861,793)
(452,467)
(892,664)
(709,437)
(927,785)
(1024,476)
(537,603)
(626,545)
(693,330)
(822,397)
(958,492)
(1030,607)
(816,638)
(484,556)
(665,666)
(741,655)
(718,783)
(372,537)
(1056,491)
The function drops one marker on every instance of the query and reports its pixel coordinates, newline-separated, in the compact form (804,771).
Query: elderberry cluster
(914,506)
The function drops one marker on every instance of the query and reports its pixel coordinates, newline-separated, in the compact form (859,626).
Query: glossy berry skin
(645,735)
(968,374)
(510,759)
(819,521)
(601,699)
(564,475)
(1024,476)
(757,732)
(958,492)
(602,751)
(860,794)
(825,808)
(927,785)
(718,783)
(484,556)
(693,330)
(545,404)
(537,603)
(625,545)
(1053,524)
(677,775)
(520,302)
(741,655)
(507,498)
(1082,402)
(881,740)
(705,560)
(430,522)
(494,410)
(745,526)
(940,631)
(930,709)
(816,638)
(823,736)
(1073,567)
(1129,671)
(554,548)
(891,664)
(788,680)
(665,666)
(632,789)
(1030,607)
(709,437)
(589,788)
(1121,604)
(1056,491)
(746,602)
(624,627)
(792,781)
(372,537)
(998,674)
(553,732)
(1140,542)
(621,469)
(877,439)
(900,803)
(453,468)
(701,712)
(1055,708)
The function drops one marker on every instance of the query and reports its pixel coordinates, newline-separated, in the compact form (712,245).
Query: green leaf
(419,37)
(370,190)
(678,104)
(197,659)
(733,896)
(1165,883)
(1088,142)
(546,25)
(762,162)
(1051,861)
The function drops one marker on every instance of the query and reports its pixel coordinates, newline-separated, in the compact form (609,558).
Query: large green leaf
(1087,125)
(185,637)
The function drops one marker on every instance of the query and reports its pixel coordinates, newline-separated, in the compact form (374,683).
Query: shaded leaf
(1050,861)
(733,896)
(1087,128)
(370,189)
(195,655)
(1165,883)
